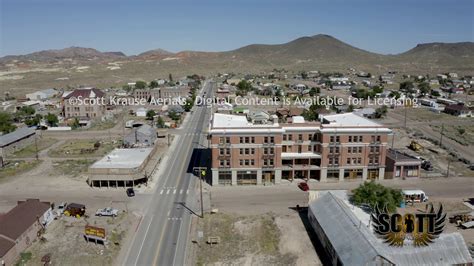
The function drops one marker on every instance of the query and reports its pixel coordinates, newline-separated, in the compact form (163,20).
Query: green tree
(174,115)
(6,123)
(35,121)
(150,114)
(312,114)
(350,108)
(127,88)
(75,123)
(160,123)
(140,85)
(188,104)
(377,195)
(381,111)
(435,93)
(394,94)
(313,91)
(52,120)
(27,110)
(424,87)
(153,84)
(377,89)
(407,86)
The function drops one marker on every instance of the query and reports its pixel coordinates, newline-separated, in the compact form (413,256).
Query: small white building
(42,94)
(141,112)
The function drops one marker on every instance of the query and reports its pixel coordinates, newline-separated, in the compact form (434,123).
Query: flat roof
(123,158)
(349,120)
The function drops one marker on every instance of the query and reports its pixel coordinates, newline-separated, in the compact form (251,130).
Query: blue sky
(211,25)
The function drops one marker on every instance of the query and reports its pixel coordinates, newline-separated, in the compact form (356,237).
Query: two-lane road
(162,235)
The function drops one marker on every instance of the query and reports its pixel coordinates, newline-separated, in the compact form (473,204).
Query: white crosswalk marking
(168,192)
(181,191)
(174,191)
(161,192)
(187,191)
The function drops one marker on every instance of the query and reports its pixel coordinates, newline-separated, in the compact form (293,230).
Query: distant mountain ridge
(315,51)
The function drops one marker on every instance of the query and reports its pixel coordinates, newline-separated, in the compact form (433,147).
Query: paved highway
(162,235)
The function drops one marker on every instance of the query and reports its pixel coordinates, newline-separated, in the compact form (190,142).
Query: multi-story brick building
(342,146)
(87,103)
(162,93)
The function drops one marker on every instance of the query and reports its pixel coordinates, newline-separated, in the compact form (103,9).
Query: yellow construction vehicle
(414,145)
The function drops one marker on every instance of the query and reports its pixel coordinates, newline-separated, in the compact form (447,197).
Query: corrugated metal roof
(16,135)
(356,244)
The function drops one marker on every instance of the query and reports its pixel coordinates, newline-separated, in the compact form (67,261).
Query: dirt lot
(268,239)
(65,243)
(76,148)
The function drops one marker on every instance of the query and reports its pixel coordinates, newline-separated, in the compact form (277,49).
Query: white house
(41,95)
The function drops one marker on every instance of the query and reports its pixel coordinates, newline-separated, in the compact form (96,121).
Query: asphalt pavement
(162,235)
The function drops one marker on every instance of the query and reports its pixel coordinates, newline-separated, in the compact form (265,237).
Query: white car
(61,208)
(107,212)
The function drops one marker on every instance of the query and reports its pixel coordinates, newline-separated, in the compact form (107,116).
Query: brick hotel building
(342,146)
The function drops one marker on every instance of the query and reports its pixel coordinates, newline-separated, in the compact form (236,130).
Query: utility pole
(405,121)
(168,139)
(447,172)
(36,148)
(202,172)
(441,137)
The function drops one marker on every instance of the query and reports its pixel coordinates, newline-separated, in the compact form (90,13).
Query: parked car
(130,192)
(61,208)
(108,211)
(303,186)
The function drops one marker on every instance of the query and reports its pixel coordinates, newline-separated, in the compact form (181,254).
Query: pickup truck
(107,212)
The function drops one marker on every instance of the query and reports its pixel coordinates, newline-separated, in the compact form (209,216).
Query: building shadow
(303,214)
(200,157)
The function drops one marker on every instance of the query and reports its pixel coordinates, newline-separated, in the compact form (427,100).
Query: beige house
(85,103)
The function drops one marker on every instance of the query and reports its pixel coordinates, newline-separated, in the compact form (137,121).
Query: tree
(140,85)
(174,115)
(312,113)
(350,108)
(160,123)
(150,114)
(435,93)
(381,111)
(461,131)
(377,89)
(127,88)
(27,111)
(313,91)
(407,86)
(188,104)
(377,195)
(153,84)
(394,94)
(6,123)
(424,87)
(52,120)
(35,121)
(75,123)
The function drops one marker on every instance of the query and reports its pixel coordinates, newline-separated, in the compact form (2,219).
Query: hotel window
(241,162)
(360,138)
(252,162)
(223,140)
(310,137)
(241,151)
(350,138)
(224,163)
(290,137)
(285,137)
(300,137)
(378,138)
(359,160)
(360,150)
(253,140)
(283,149)
(348,160)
